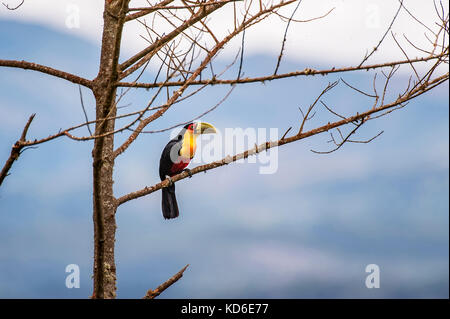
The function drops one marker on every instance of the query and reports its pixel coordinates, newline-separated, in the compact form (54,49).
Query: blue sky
(307,231)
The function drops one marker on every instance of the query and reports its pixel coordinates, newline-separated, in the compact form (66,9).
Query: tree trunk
(104,203)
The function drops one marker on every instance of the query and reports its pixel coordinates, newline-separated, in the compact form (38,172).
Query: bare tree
(184,61)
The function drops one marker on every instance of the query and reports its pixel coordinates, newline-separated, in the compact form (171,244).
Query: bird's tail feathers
(169,202)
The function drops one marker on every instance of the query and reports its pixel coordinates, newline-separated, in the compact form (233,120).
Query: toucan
(175,158)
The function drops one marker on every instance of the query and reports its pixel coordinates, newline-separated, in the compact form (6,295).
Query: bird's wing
(165,163)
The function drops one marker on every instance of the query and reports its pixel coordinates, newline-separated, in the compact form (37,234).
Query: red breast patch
(179,166)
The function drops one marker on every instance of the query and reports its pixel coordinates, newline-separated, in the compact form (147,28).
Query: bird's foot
(187,170)
(170,181)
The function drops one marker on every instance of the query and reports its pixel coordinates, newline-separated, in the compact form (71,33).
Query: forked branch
(15,151)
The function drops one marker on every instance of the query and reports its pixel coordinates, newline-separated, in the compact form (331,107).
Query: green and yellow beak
(204,128)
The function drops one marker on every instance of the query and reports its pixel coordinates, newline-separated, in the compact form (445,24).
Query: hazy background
(307,231)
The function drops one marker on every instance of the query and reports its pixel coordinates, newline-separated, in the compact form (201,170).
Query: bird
(175,157)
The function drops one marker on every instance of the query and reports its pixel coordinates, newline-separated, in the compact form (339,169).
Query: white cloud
(343,36)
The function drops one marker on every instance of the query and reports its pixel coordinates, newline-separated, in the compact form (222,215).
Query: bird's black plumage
(169,201)
(166,162)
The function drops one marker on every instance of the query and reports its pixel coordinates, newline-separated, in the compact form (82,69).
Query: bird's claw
(170,181)
(187,170)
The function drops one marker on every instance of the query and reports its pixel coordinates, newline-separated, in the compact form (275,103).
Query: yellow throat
(189,145)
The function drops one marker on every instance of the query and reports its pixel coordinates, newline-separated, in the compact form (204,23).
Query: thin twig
(384,35)
(306,72)
(13,8)
(285,37)
(15,151)
(84,110)
(151,294)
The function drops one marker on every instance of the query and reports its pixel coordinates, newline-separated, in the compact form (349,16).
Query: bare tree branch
(84,110)
(140,58)
(285,37)
(144,11)
(339,145)
(305,72)
(151,294)
(15,151)
(384,35)
(164,6)
(47,70)
(13,8)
